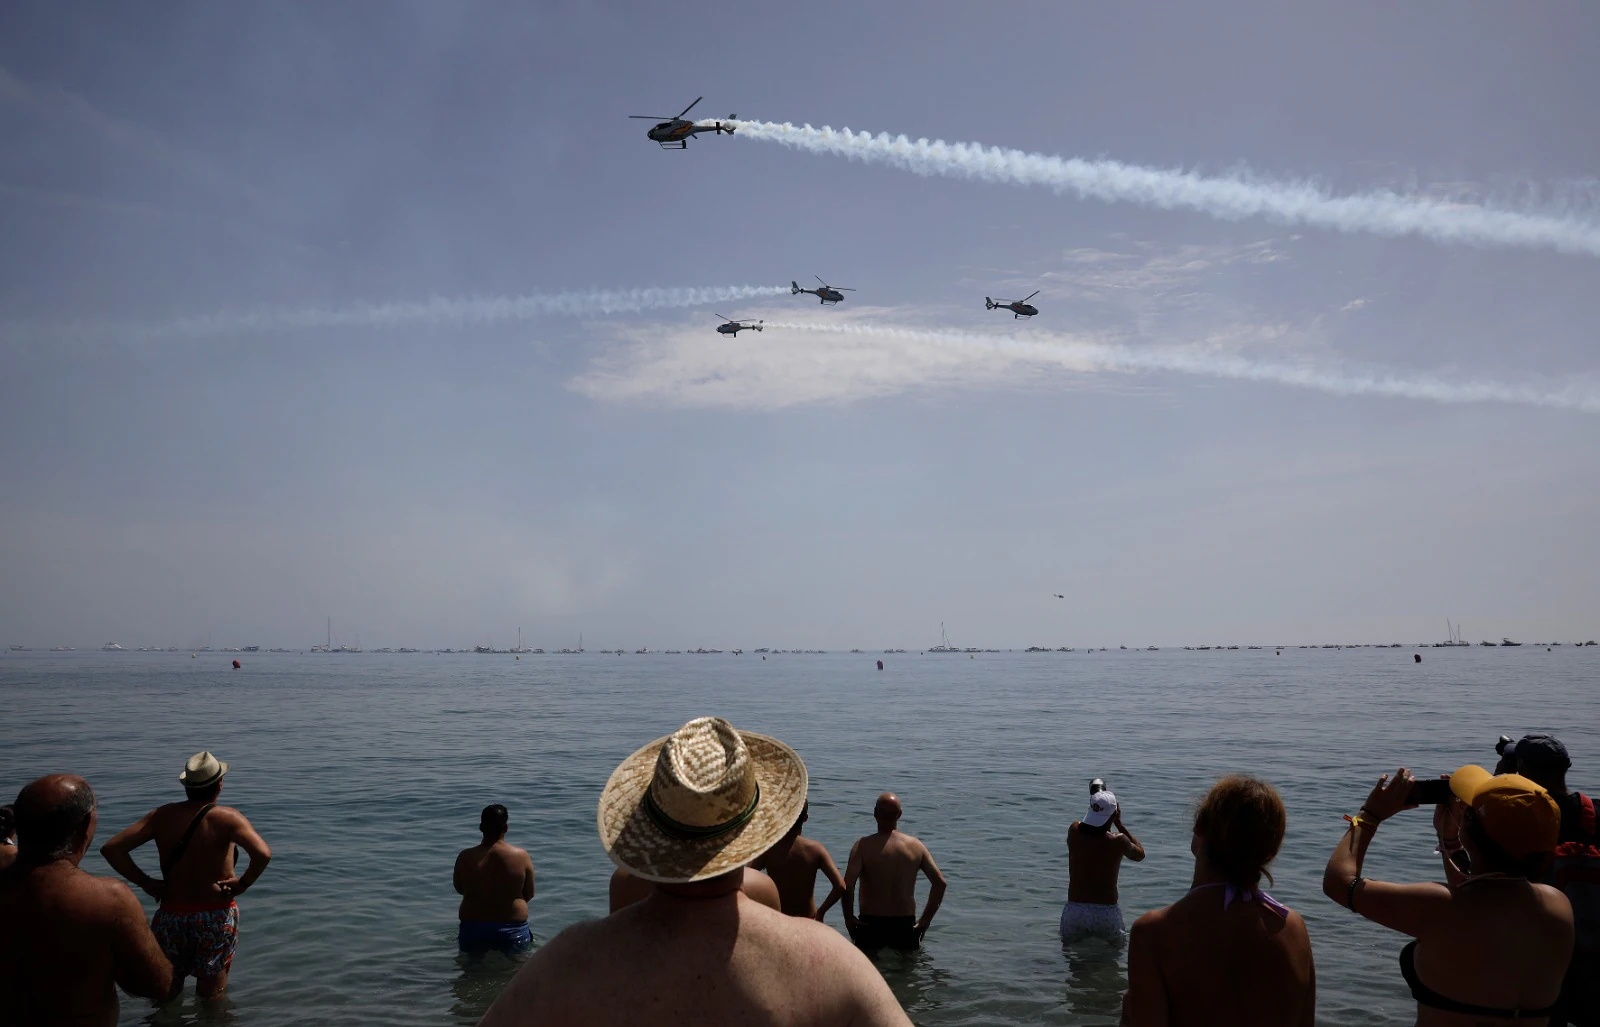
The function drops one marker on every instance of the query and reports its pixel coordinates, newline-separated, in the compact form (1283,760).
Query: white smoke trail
(1230,198)
(477,310)
(1077,355)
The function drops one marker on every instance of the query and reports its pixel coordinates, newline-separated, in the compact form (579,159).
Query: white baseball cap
(1102,807)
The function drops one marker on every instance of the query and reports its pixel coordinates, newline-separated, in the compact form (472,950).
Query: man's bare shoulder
(810,849)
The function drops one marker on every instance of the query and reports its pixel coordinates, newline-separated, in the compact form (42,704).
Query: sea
(366,773)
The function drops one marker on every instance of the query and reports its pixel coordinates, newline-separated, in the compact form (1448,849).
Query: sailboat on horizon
(944,645)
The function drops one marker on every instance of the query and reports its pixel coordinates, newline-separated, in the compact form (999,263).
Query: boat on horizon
(112,647)
(944,645)
(1507,641)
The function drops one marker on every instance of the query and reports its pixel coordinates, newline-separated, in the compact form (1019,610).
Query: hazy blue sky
(645,481)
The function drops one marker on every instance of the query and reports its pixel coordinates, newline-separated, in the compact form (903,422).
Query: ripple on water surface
(366,774)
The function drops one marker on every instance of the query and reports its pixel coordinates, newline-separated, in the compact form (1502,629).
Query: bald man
(69,939)
(886,865)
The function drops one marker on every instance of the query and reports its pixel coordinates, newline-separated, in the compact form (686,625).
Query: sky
(319,311)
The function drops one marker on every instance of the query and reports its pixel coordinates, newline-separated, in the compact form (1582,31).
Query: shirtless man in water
(198,922)
(69,939)
(495,881)
(886,865)
(1096,846)
(793,865)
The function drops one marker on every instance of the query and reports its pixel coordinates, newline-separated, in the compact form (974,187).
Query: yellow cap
(1517,814)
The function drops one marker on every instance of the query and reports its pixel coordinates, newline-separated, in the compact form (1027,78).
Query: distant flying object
(674,133)
(733,328)
(1018,308)
(1058,595)
(827,294)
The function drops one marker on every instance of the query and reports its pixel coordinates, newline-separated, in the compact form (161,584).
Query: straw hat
(202,769)
(700,802)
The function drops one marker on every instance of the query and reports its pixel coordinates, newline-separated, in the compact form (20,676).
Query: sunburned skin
(696,954)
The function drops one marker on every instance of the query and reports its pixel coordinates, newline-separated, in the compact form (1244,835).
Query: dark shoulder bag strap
(183,843)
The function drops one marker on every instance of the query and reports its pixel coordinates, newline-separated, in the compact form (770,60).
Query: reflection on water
(480,980)
(1095,980)
(916,980)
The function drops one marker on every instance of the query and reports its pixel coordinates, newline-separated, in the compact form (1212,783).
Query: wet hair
(1242,820)
(1491,858)
(494,820)
(45,833)
(8,822)
(204,793)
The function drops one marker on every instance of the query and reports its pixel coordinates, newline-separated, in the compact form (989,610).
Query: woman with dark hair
(1227,952)
(1491,945)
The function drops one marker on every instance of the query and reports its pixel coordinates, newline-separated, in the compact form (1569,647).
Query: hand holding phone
(1432,792)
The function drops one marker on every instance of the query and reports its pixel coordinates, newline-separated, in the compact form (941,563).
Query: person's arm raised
(140,966)
(1407,908)
(245,836)
(836,892)
(119,853)
(1130,845)
(1144,1004)
(936,880)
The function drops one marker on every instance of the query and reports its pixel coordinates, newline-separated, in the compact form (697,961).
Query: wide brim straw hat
(700,802)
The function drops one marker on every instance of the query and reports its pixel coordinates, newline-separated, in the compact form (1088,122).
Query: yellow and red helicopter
(1018,308)
(827,293)
(674,133)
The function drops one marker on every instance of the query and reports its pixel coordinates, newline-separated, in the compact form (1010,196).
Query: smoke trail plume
(478,310)
(1082,356)
(1229,198)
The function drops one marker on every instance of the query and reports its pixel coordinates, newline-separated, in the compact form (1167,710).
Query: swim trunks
(477,936)
(1092,920)
(198,939)
(878,932)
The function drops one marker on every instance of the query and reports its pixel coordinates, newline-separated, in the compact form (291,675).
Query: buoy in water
(237,664)
(519,659)
(1417,657)
(880,664)
(192,656)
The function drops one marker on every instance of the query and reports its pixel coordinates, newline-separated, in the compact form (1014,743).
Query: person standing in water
(68,939)
(198,921)
(495,881)
(1226,952)
(793,864)
(1094,854)
(886,865)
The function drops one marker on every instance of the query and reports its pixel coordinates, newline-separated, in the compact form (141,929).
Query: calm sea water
(366,773)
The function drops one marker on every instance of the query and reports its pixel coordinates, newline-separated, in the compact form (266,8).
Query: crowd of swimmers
(713,916)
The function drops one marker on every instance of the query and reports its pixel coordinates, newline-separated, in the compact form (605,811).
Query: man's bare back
(694,960)
(889,863)
(69,940)
(1094,859)
(495,882)
(793,865)
(205,874)
(625,889)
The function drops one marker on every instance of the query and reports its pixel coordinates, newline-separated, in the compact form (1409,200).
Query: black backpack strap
(183,843)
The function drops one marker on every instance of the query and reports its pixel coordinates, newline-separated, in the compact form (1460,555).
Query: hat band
(690,832)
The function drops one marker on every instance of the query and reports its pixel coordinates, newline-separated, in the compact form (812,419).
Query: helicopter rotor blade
(721,316)
(689,108)
(1030,295)
(649,117)
(819,278)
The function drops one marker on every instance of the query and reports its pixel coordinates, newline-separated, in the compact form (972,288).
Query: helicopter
(1018,308)
(674,133)
(827,294)
(733,328)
